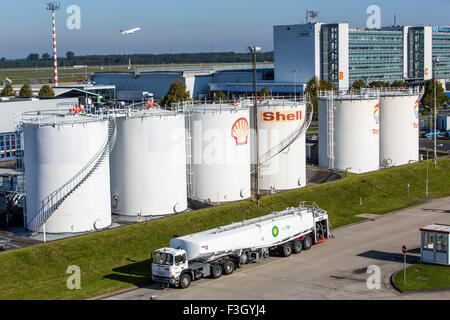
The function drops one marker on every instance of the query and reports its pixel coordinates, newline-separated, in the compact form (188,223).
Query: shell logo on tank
(281,116)
(376,113)
(240,131)
(416,109)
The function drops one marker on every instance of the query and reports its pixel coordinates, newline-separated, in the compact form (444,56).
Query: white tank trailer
(399,127)
(220,149)
(148,163)
(60,151)
(349,131)
(221,250)
(278,120)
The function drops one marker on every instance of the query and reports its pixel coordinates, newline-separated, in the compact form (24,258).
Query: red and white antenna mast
(53,6)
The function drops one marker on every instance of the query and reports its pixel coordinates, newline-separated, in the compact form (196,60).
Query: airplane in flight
(129,31)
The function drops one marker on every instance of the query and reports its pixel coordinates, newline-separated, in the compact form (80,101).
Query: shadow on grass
(388,256)
(136,273)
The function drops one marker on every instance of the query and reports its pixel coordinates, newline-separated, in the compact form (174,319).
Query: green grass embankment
(119,258)
(421,277)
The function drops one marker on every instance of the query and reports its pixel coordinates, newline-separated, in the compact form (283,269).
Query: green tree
(25,91)
(220,96)
(378,84)
(33,57)
(70,55)
(177,92)
(312,88)
(358,84)
(398,84)
(8,91)
(45,57)
(46,91)
(3,59)
(265,92)
(428,97)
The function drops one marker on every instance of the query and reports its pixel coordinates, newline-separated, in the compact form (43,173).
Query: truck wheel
(244,257)
(228,267)
(286,250)
(297,247)
(216,271)
(185,281)
(307,242)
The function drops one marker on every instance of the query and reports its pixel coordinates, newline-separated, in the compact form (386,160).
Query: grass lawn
(70,74)
(119,258)
(313,129)
(423,277)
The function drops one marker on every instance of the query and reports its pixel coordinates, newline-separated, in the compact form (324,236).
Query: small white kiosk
(434,243)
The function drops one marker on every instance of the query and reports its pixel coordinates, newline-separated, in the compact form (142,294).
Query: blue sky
(174,26)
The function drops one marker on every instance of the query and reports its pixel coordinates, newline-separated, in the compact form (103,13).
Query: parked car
(430,134)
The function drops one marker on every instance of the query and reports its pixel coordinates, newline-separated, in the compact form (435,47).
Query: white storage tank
(220,152)
(148,163)
(399,127)
(278,120)
(57,148)
(349,131)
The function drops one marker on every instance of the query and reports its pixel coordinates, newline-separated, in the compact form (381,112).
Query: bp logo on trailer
(275,231)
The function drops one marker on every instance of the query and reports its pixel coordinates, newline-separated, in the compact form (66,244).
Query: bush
(8,91)
(46,91)
(25,91)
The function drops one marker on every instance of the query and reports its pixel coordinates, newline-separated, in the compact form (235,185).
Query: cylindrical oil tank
(399,128)
(349,132)
(56,148)
(148,163)
(220,152)
(277,121)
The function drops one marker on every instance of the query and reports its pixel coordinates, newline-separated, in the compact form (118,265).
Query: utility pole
(254,51)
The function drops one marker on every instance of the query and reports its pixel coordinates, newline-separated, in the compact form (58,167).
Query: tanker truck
(219,251)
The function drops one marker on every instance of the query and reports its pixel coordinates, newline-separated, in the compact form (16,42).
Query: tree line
(428,97)
(26,91)
(45,60)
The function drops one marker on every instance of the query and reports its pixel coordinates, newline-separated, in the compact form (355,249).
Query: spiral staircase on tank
(289,140)
(52,202)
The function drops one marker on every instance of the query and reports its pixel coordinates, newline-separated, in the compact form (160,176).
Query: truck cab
(168,264)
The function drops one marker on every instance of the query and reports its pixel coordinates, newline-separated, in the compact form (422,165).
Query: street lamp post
(434,133)
(254,51)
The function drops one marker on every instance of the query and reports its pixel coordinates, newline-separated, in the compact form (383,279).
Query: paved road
(429,144)
(335,269)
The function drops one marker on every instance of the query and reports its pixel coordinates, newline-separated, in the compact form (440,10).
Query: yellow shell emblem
(240,131)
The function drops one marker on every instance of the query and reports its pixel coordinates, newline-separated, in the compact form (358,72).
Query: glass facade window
(375,55)
(428,240)
(330,53)
(441,50)
(441,242)
(9,143)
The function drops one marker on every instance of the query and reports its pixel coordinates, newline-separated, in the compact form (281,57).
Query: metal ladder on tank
(188,123)
(51,203)
(289,140)
(330,129)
